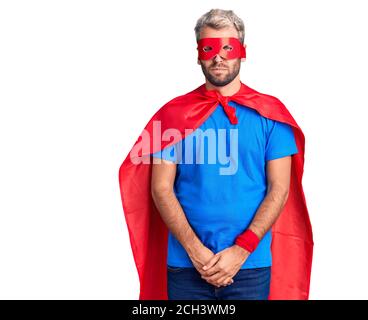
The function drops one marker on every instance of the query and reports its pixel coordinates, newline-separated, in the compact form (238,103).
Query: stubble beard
(221,81)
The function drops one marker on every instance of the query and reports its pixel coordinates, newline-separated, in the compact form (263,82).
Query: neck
(228,90)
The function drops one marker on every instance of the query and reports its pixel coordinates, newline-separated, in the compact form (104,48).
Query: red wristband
(247,240)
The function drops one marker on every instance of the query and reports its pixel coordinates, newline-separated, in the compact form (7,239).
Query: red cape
(292,238)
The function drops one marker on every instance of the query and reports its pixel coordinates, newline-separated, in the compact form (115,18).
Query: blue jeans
(185,283)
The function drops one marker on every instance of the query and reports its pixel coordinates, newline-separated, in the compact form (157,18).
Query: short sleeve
(170,153)
(280,141)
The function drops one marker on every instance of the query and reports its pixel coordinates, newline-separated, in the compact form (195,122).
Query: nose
(217,58)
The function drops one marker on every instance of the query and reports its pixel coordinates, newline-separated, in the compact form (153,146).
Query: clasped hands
(219,269)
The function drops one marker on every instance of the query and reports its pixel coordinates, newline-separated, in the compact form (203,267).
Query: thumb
(212,261)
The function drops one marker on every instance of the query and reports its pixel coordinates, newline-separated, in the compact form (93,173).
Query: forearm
(268,211)
(174,217)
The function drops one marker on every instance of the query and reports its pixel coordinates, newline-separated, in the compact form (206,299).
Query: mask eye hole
(207,48)
(228,47)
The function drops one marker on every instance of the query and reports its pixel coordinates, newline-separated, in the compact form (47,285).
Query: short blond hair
(218,19)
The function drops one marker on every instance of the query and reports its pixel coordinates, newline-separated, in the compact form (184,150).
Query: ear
(243,59)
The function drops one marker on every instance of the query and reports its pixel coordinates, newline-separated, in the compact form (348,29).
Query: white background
(79,80)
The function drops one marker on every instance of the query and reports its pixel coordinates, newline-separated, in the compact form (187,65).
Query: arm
(163,177)
(225,264)
(278,183)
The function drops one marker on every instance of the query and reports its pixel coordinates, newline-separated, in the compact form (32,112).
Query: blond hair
(218,19)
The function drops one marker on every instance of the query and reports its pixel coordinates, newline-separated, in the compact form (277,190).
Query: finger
(210,272)
(228,281)
(213,283)
(223,280)
(209,277)
(214,278)
(211,263)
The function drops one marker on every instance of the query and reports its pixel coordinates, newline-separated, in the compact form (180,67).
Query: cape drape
(292,238)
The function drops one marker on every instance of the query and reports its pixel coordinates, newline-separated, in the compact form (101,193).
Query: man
(205,222)
(207,211)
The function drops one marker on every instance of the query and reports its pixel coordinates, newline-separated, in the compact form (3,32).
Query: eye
(228,47)
(207,48)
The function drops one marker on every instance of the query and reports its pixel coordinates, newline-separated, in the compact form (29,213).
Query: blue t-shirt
(221,179)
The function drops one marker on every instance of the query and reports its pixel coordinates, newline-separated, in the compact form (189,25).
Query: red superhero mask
(227,48)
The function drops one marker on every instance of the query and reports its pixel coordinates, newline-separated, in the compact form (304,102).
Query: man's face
(220,71)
